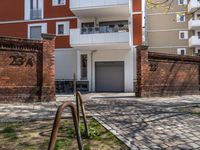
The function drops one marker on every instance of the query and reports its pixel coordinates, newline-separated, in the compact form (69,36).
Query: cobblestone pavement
(148,123)
(18,112)
(141,123)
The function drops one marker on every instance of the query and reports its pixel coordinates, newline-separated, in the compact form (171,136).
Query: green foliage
(10,133)
(61,144)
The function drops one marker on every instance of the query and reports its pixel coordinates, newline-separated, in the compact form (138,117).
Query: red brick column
(142,68)
(48,68)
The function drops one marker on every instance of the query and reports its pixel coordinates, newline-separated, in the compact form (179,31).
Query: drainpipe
(92,55)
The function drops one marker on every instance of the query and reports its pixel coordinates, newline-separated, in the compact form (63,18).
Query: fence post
(142,65)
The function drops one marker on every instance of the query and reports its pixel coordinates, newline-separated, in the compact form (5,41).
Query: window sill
(59,5)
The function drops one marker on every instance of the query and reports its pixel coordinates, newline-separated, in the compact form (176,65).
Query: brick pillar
(142,68)
(48,68)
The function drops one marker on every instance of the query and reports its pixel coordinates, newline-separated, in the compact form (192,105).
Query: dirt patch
(36,135)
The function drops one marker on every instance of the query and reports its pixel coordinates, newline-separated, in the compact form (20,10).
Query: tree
(165,4)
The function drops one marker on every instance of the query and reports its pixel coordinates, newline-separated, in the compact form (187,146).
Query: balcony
(194,24)
(100,8)
(194,41)
(100,38)
(193,5)
(35,14)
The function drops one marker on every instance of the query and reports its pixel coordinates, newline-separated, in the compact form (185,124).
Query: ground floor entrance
(109,76)
(99,70)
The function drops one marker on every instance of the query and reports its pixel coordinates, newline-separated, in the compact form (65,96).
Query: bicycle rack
(79,102)
(57,124)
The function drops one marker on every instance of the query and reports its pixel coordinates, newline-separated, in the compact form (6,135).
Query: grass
(194,110)
(28,136)
(10,133)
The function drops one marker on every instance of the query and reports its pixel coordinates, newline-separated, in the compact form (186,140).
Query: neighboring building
(175,31)
(96,39)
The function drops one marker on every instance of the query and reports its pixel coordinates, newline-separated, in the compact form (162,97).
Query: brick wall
(27,69)
(160,74)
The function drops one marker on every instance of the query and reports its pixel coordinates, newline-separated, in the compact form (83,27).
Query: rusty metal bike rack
(57,124)
(79,103)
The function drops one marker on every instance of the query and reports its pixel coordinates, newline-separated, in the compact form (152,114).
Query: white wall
(117,55)
(109,55)
(65,63)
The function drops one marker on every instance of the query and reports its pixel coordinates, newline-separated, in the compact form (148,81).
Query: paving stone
(141,123)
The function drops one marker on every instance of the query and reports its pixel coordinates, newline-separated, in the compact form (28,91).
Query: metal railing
(76,120)
(36,14)
(57,124)
(104,29)
(79,103)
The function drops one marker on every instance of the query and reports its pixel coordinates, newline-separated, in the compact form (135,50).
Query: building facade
(95,41)
(176,30)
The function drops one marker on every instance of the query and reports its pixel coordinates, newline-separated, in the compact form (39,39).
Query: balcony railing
(35,14)
(194,24)
(106,39)
(193,5)
(78,4)
(104,29)
(194,41)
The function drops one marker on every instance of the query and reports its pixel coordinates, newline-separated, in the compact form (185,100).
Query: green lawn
(35,136)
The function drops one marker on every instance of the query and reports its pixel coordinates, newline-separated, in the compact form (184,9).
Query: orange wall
(11,10)
(137,5)
(137,22)
(61,11)
(21,30)
(137,29)
(14,10)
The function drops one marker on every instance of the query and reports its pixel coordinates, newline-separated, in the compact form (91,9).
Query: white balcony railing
(194,24)
(193,5)
(194,41)
(35,14)
(94,38)
(78,4)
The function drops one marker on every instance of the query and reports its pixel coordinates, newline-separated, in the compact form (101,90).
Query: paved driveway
(148,123)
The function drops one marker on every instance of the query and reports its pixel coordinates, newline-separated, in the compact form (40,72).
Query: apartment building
(174,31)
(95,41)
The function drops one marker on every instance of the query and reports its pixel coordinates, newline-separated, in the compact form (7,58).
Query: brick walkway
(153,123)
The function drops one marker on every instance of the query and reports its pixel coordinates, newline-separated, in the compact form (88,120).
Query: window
(58,2)
(197,52)
(181,51)
(62,28)
(183,34)
(35,30)
(198,34)
(182,2)
(34,9)
(198,16)
(84,67)
(180,18)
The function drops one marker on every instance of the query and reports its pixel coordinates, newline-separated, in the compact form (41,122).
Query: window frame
(184,2)
(56,3)
(81,69)
(178,16)
(185,35)
(66,28)
(179,51)
(43,27)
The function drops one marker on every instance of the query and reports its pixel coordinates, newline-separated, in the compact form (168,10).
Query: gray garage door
(109,76)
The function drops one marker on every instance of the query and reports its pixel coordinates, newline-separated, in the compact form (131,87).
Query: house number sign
(20,60)
(153,66)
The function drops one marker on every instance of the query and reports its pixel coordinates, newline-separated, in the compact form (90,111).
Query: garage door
(109,76)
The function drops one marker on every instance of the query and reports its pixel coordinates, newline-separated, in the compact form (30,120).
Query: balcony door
(35,9)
